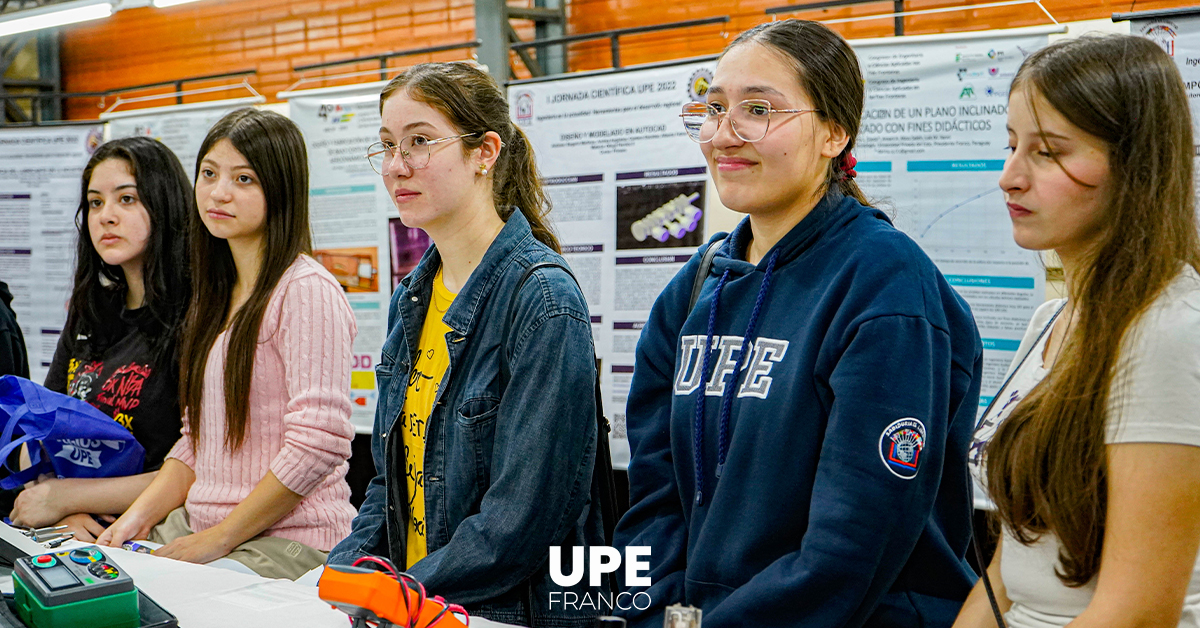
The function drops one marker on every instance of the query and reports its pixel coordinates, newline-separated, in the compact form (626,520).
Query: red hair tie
(848,163)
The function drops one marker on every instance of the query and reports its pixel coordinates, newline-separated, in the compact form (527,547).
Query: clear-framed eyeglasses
(413,149)
(750,119)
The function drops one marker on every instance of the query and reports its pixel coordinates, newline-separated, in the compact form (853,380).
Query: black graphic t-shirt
(125,382)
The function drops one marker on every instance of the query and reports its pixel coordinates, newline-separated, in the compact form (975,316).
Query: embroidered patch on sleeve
(900,447)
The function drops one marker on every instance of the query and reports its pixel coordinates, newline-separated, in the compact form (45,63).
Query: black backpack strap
(603,471)
(702,272)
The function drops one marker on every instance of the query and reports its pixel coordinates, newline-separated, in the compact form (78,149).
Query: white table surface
(202,596)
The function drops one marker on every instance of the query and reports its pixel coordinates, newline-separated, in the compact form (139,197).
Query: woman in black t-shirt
(118,348)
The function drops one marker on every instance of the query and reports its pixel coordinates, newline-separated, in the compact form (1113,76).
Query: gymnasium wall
(146,45)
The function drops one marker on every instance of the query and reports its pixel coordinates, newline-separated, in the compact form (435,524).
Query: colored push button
(85,556)
(44,561)
(104,571)
(79,556)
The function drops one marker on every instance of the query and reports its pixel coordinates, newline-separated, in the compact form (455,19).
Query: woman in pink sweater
(259,474)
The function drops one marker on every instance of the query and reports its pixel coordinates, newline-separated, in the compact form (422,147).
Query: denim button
(383,435)
(415,299)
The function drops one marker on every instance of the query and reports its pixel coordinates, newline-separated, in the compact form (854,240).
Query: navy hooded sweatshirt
(830,488)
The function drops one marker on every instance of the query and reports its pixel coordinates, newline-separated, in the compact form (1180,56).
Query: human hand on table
(129,526)
(38,505)
(200,547)
(85,527)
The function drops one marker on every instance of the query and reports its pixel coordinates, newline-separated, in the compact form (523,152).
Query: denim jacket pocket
(387,373)
(383,376)
(476,422)
(478,410)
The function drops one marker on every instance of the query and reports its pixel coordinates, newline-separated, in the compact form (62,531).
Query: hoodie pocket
(897,610)
(705,594)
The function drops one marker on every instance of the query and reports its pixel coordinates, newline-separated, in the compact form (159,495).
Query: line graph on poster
(953,208)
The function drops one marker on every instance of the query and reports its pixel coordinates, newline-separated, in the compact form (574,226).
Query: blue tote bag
(67,437)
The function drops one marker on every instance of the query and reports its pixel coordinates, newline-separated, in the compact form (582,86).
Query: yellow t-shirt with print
(424,382)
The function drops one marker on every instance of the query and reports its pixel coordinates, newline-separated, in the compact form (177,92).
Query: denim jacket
(508,468)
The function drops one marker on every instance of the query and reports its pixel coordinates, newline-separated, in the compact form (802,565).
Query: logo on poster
(967,57)
(334,114)
(94,139)
(967,93)
(1163,33)
(524,108)
(965,73)
(698,84)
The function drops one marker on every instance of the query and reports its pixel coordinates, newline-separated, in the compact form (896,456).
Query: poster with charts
(931,150)
(629,198)
(40,173)
(357,233)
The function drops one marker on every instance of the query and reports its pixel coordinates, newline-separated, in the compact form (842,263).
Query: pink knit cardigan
(299,423)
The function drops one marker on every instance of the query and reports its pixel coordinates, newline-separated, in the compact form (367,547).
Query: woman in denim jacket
(479,473)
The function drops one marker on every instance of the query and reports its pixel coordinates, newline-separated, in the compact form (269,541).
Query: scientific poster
(1180,38)
(357,233)
(40,173)
(628,189)
(931,149)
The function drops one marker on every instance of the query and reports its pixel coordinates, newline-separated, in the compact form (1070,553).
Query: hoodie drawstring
(728,393)
(698,431)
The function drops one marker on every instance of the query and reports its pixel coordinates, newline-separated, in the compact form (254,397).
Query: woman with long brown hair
(123,324)
(1091,452)
(259,474)
(485,437)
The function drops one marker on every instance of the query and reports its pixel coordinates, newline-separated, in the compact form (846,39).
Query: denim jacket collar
(463,314)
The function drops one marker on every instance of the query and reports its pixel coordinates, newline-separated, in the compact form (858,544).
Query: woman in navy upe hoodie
(815,474)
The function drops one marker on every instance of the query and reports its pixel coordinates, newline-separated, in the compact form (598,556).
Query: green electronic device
(79,587)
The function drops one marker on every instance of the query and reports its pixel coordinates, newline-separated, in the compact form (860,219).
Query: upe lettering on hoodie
(763,354)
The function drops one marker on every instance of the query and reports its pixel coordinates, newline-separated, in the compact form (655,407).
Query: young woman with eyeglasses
(259,475)
(799,437)
(485,436)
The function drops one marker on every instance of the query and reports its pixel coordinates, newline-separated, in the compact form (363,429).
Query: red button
(45,560)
